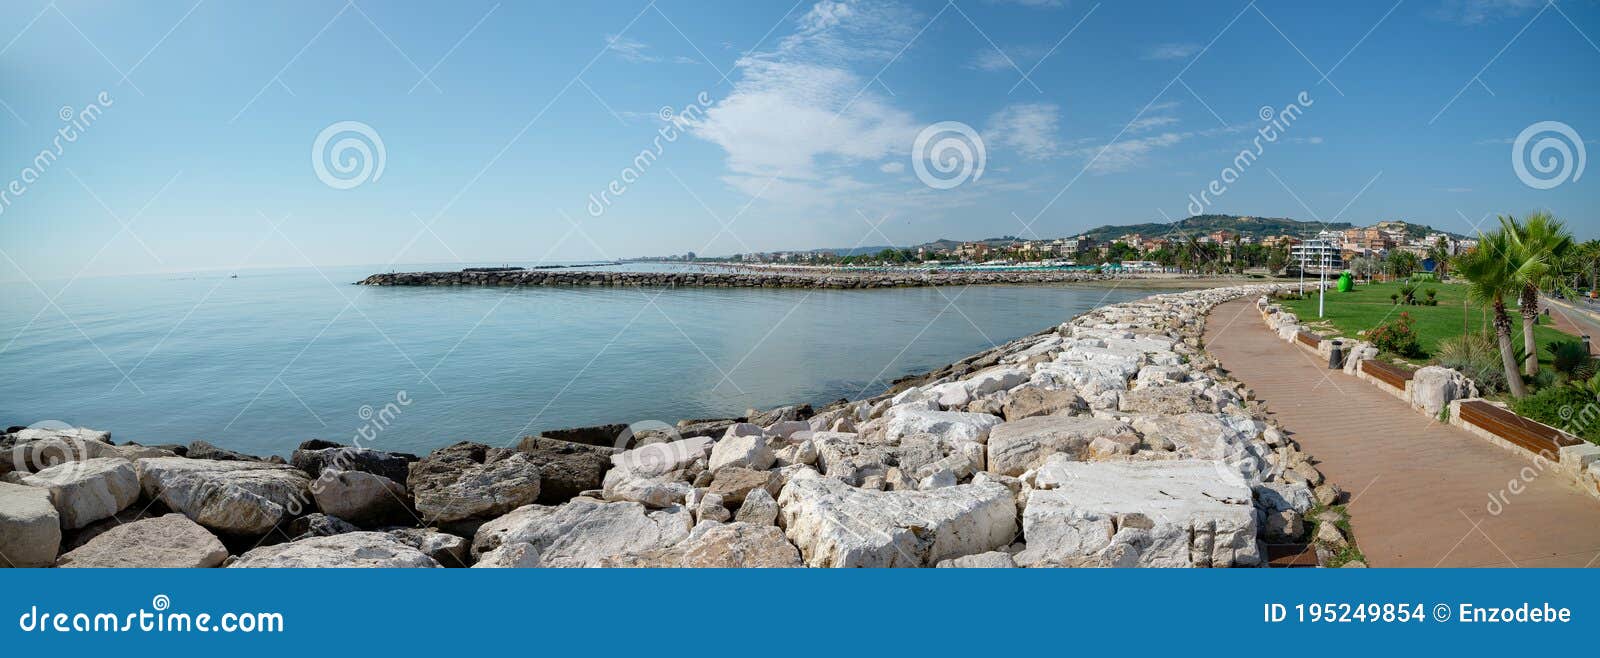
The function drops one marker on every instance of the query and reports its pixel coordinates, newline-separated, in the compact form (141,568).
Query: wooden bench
(1535,437)
(1308,339)
(1291,556)
(1388,373)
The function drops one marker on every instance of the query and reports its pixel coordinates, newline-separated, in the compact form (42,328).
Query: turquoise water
(264,361)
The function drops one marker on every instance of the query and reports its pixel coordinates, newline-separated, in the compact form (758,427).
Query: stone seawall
(1109,440)
(747,279)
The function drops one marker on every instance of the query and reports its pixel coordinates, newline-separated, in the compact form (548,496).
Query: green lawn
(1369,305)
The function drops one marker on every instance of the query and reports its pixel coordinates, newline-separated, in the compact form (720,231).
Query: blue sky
(499,121)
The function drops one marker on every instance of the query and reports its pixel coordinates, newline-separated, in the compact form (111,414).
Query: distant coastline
(748,276)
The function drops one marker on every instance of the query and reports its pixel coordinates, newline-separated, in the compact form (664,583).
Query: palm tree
(1439,253)
(1495,271)
(1543,242)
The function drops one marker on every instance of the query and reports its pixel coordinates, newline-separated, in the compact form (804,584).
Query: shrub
(1572,359)
(1432,296)
(1561,407)
(1408,294)
(1476,356)
(1398,337)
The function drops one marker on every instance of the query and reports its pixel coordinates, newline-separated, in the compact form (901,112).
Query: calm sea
(264,361)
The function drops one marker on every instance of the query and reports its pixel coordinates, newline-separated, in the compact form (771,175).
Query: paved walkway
(1420,490)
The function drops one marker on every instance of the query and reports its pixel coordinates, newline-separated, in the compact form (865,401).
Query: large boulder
(734,484)
(171,541)
(837,525)
(362,498)
(30,527)
(1016,446)
(88,491)
(205,450)
(743,452)
(1433,388)
(1236,443)
(312,460)
(233,497)
(566,468)
(446,549)
(714,545)
(346,551)
(1029,401)
(584,531)
(652,473)
(956,431)
(1180,513)
(467,482)
(1165,400)
(34,449)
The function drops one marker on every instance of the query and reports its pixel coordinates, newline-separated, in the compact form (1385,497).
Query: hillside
(1255,227)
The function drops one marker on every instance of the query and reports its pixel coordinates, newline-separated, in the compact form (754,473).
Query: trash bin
(1336,356)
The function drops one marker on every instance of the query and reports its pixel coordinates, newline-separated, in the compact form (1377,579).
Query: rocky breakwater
(737,279)
(1110,440)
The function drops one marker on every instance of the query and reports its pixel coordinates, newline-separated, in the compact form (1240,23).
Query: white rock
(952,395)
(1433,388)
(345,551)
(837,525)
(171,541)
(743,451)
(1145,514)
(514,555)
(990,560)
(246,498)
(996,379)
(90,490)
(582,532)
(361,498)
(30,527)
(759,508)
(652,492)
(714,545)
(1016,446)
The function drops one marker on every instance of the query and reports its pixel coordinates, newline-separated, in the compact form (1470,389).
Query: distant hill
(1255,227)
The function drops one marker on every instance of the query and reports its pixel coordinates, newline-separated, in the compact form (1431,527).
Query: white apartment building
(1317,255)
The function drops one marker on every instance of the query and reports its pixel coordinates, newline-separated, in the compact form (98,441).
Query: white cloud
(1173,51)
(892,167)
(1014,57)
(1478,12)
(1306,140)
(799,115)
(1142,124)
(1030,128)
(633,50)
(1128,153)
